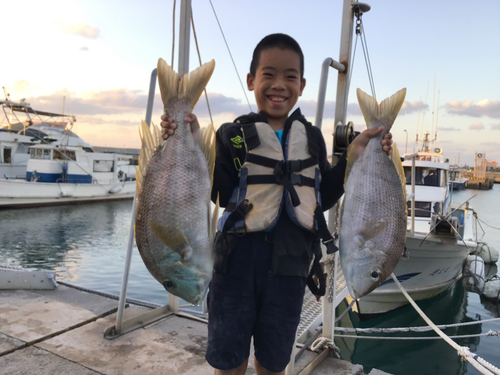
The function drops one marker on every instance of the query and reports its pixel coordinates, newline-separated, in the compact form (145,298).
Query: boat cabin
(59,164)
(432,197)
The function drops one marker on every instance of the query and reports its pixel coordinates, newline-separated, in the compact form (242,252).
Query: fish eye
(375,274)
(168,284)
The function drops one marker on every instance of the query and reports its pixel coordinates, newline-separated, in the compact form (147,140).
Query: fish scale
(373,230)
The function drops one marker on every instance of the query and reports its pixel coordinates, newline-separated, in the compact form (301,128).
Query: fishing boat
(37,127)
(440,235)
(42,162)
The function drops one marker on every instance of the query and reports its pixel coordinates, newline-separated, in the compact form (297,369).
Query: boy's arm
(225,173)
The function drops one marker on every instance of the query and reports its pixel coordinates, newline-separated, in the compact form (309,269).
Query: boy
(271,174)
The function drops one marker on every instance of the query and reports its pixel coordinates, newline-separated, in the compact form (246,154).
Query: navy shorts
(247,300)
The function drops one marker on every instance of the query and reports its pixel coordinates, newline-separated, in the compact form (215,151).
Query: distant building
(491,164)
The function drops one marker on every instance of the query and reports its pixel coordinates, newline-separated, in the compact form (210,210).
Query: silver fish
(173,222)
(373,229)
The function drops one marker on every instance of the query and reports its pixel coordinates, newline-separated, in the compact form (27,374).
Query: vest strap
(236,220)
(251,136)
(296,179)
(323,231)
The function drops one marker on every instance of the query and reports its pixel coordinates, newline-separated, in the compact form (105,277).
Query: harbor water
(86,246)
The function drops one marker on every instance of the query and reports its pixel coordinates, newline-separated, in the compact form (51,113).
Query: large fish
(373,229)
(173,222)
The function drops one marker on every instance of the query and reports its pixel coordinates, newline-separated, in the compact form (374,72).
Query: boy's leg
(277,321)
(232,311)
(262,371)
(235,371)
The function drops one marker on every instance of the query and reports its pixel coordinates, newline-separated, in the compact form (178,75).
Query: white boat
(36,127)
(57,174)
(47,164)
(439,237)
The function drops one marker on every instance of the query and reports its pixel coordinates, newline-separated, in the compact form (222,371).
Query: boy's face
(277,84)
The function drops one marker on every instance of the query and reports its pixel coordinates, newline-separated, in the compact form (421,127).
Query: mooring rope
(483,366)
(411,329)
(489,333)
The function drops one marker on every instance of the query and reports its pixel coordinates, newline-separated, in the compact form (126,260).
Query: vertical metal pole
(413,196)
(151,97)
(128,258)
(345,59)
(126,272)
(340,115)
(184,37)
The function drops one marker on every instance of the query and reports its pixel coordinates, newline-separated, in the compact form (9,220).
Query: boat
(38,127)
(440,235)
(45,163)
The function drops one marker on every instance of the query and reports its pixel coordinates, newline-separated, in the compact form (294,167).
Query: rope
(229,50)
(412,329)
(199,58)
(488,225)
(490,333)
(462,351)
(364,45)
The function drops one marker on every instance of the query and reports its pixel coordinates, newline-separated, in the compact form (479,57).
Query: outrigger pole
(122,327)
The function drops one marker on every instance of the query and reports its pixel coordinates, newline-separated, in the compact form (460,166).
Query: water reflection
(416,357)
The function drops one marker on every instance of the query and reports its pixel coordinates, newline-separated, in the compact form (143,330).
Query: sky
(93,59)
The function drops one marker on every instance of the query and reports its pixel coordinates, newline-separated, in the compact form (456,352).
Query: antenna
(7,95)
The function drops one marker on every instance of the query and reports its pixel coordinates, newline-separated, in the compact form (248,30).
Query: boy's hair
(282,41)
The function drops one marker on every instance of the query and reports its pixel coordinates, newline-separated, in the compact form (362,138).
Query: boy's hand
(362,140)
(168,126)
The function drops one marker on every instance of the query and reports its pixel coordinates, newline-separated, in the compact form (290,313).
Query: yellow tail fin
(189,87)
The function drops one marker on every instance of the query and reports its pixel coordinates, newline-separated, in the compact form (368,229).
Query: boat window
(32,154)
(424,176)
(104,166)
(7,155)
(46,154)
(422,209)
(39,154)
(64,155)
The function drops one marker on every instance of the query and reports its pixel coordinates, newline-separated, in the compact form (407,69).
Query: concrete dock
(61,332)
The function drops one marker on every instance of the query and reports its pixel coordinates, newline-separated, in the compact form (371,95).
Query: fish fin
(373,228)
(207,145)
(173,238)
(192,85)
(396,159)
(380,114)
(168,80)
(215,218)
(150,140)
(351,159)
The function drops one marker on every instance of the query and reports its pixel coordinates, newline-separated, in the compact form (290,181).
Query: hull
(20,194)
(430,270)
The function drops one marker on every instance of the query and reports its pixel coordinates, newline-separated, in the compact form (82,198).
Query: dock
(60,331)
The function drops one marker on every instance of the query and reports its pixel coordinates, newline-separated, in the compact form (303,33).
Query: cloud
(412,107)
(81,29)
(495,126)
(20,85)
(477,126)
(450,129)
(116,101)
(489,108)
(84,49)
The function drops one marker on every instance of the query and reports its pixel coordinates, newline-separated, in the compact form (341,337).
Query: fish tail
(380,114)
(190,87)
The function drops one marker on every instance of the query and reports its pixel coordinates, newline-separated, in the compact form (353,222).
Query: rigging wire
(229,50)
(366,54)
(199,58)
(173,35)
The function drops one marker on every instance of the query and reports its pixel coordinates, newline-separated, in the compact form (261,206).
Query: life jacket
(275,177)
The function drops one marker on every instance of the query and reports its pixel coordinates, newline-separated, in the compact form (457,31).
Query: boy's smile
(277,84)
